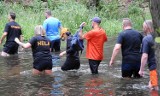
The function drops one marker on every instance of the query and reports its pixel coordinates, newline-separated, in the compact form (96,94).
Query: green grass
(71,14)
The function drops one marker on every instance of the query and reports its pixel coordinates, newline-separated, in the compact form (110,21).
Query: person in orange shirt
(95,42)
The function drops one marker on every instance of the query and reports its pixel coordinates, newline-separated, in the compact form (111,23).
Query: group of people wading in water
(137,50)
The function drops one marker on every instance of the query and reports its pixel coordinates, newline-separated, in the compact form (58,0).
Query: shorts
(55,45)
(42,64)
(153,77)
(11,48)
(94,64)
(70,64)
(130,69)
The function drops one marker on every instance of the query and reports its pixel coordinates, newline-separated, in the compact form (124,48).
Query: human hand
(16,40)
(62,53)
(83,24)
(141,73)
(111,63)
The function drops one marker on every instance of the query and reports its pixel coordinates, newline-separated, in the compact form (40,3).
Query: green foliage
(72,14)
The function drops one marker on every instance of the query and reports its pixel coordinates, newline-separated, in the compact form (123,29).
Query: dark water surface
(16,78)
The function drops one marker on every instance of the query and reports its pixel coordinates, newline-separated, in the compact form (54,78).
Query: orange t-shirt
(95,41)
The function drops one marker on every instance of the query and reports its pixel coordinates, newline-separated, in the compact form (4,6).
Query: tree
(155,13)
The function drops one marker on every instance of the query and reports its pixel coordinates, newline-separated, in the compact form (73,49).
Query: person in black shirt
(148,55)
(11,31)
(72,59)
(130,42)
(40,45)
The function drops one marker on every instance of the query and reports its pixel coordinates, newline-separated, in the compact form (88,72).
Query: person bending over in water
(40,45)
(72,60)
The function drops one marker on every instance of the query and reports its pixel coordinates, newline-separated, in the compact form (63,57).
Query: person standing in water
(72,59)
(40,45)
(95,43)
(129,41)
(52,26)
(11,31)
(148,55)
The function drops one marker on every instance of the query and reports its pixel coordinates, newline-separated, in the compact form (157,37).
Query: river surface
(16,78)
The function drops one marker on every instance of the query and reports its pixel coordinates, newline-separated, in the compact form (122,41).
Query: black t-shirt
(130,41)
(71,52)
(14,30)
(148,46)
(40,47)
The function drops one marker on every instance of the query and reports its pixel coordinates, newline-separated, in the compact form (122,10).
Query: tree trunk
(155,13)
(94,3)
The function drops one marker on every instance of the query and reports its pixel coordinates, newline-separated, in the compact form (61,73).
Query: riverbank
(71,14)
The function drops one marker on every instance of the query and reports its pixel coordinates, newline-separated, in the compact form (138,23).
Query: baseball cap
(97,20)
(63,31)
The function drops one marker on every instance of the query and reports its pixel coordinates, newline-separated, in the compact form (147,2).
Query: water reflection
(16,79)
(93,86)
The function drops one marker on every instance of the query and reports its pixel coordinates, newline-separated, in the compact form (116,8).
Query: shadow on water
(16,78)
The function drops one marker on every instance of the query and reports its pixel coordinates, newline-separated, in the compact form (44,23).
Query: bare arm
(3,36)
(115,52)
(24,45)
(144,59)
(62,53)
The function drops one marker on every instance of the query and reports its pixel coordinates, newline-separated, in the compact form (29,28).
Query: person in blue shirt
(52,26)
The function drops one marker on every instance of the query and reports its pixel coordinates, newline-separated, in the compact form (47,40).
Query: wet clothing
(130,69)
(55,45)
(72,59)
(148,47)
(95,42)
(41,53)
(130,41)
(153,77)
(51,26)
(11,48)
(94,64)
(13,30)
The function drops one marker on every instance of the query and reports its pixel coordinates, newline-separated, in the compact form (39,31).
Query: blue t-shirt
(51,26)
(148,46)
(130,41)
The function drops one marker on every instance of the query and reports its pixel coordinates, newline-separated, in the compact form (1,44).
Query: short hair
(13,15)
(149,24)
(48,12)
(127,22)
(39,30)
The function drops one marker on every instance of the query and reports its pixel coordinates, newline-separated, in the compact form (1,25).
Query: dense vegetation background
(72,12)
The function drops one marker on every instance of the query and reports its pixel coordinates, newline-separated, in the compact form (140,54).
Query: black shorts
(55,45)
(94,65)
(42,64)
(130,69)
(70,64)
(11,48)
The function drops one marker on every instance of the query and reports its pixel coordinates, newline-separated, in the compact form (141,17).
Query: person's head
(126,23)
(65,33)
(148,26)
(96,21)
(11,16)
(48,13)
(39,30)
